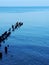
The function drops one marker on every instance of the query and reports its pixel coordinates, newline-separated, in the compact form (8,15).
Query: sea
(29,44)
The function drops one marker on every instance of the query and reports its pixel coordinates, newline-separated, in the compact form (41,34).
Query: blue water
(23,9)
(30,43)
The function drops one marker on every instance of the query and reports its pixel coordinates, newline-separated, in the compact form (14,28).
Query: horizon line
(24,6)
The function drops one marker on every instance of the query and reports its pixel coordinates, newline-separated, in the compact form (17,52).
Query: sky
(24,2)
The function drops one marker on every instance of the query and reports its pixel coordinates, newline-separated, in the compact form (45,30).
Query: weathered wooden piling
(6,50)
(7,45)
(0,45)
(0,55)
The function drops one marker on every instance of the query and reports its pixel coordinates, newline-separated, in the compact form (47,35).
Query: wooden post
(0,44)
(0,55)
(7,45)
(6,50)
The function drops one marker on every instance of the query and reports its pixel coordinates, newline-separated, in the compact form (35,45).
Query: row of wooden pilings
(5,50)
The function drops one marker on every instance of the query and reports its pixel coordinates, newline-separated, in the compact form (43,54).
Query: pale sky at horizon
(24,2)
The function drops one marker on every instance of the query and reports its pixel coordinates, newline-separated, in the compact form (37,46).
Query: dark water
(29,45)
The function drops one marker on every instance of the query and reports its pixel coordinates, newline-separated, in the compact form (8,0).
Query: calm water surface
(31,41)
